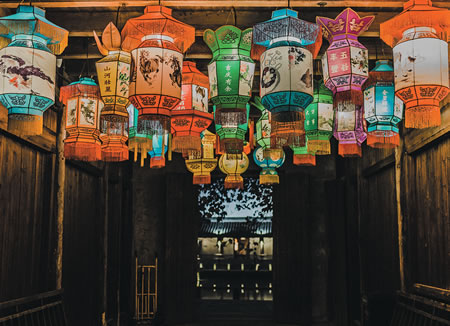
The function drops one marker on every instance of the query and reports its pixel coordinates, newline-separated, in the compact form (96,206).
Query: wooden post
(61,177)
(105,241)
(399,152)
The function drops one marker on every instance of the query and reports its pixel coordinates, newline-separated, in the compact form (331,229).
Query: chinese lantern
(28,67)
(233,165)
(230,72)
(269,165)
(303,156)
(157,41)
(83,105)
(157,154)
(137,143)
(201,165)
(191,116)
(286,84)
(382,109)
(418,36)
(232,134)
(113,73)
(349,129)
(319,120)
(345,64)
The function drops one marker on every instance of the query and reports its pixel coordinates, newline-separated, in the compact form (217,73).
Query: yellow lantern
(202,165)
(233,165)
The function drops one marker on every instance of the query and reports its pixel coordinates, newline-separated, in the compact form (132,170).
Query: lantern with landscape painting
(28,67)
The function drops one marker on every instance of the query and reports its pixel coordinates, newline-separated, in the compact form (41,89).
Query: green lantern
(231,72)
(319,120)
(303,156)
(232,134)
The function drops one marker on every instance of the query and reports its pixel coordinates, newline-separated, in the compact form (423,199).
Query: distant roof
(235,229)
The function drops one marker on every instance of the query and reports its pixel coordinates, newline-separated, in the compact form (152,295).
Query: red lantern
(191,116)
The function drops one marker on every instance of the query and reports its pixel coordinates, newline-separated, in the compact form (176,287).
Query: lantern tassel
(201,179)
(230,116)
(114,148)
(422,117)
(234,182)
(232,145)
(353,96)
(319,146)
(349,150)
(157,162)
(376,140)
(186,143)
(83,151)
(269,179)
(170,149)
(25,124)
(304,159)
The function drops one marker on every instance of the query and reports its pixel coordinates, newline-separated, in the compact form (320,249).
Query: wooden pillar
(399,152)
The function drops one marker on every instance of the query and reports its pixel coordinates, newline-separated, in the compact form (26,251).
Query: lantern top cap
(85,81)
(416,13)
(31,20)
(157,20)
(229,37)
(383,65)
(282,13)
(348,24)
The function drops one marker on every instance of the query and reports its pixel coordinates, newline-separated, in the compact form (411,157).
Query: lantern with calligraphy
(286,84)
(202,164)
(303,156)
(231,72)
(157,41)
(83,105)
(232,134)
(191,116)
(28,67)
(418,36)
(319,120)
(137,142)
(233,165)
(349,129)
(159,150)
(269,164)
(382,109)
(345,64)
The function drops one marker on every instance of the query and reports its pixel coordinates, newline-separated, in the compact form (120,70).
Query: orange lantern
(157,41)
(418,36)
(191,116)
(83,105)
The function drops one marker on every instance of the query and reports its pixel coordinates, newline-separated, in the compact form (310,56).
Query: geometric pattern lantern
(319,120)
(191,116)
(349,129)
(201,165)
(83,104)
(157,154)
(233,165)
(28,67)
(137,143)
(231,72)
(345,64)
(157,41)
(232,134)
(286,84)
(382,109)
(269,164)
(418,36)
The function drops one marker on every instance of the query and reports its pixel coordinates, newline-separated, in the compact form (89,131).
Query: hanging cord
(86,62)
(289,4)
(117,17)
(234,15)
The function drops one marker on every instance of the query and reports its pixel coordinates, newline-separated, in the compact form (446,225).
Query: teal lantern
(319,120)
(232,134)
(269,165)
(28,67)
(159,150)
(137,142)
(382,109)
(231,72)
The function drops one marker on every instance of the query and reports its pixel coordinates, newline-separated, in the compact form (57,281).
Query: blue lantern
(269,165)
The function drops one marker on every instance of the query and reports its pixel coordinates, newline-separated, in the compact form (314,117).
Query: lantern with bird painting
(419,38)
(191,116)
(203,163)
(157,42)
(382,109)
(269,164)
(137,142)
(233,165)
(83,105)
(345,64)
(28,67)
(286,84)
(230,72)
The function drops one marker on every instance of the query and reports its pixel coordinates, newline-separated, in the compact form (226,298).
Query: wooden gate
(146,290)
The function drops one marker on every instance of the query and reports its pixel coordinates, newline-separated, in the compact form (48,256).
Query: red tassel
(422,117)
(234,182)
(383,139)
(349,150)
(114,148)
(83,152)
(157,162)
(201,179)
(305,159)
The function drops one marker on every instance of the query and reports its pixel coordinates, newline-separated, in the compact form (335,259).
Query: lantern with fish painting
(419,38)
(28,67)
(157,42)
(233,165)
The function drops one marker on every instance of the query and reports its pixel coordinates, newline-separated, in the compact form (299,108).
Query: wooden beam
(222,4)
(378,166)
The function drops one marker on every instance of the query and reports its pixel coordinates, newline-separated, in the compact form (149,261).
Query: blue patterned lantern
(28,67)
(269,164)
(382,109)
(286,84)
(159,150)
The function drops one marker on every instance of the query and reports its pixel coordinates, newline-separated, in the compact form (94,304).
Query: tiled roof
(238,229)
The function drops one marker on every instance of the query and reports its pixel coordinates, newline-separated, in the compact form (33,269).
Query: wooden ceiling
(82,17)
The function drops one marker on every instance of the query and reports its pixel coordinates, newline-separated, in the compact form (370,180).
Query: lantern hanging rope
(28,65)
(418,36)
(83,105)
